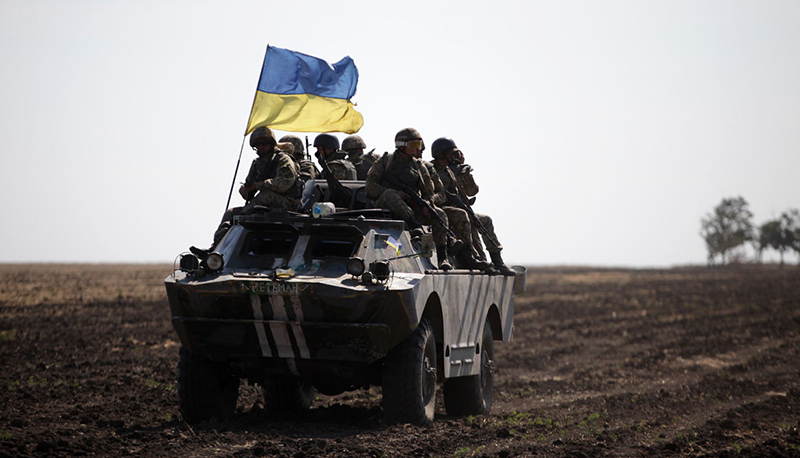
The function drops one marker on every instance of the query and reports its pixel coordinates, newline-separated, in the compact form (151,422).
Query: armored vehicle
(335,300)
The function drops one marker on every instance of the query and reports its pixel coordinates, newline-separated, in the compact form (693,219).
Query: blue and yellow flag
(300,93)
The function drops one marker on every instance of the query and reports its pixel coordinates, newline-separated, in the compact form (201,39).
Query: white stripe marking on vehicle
(255,301)
(297,329)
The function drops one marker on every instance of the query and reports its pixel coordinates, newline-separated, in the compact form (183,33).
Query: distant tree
(791,226)
(781,234)
(770,237)
(727,227)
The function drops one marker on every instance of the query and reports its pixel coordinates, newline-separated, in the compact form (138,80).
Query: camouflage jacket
(408,171)
(363,163)
(307,170)
(451,184)
(341,168)
(439,196)
(277,172)
(466,182)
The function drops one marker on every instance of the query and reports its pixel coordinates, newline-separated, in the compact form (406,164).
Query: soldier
(328,150)
(354,146)
(272,181)
(403,167)
(457,219)
(458,182)
(308,171)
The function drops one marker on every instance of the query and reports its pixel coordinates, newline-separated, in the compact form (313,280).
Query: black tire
(286,394)
(409,378)
(206,389)
(472,395)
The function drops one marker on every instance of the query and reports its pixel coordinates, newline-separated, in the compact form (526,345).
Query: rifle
(391,179)
(339,193)
(455,198)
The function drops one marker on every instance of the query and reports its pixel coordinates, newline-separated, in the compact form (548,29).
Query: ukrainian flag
(300,93)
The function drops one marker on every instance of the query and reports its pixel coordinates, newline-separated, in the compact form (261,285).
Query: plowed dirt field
(696,362)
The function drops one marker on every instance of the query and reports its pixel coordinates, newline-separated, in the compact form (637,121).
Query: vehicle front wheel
(409,378)
(472,395)
(205,389)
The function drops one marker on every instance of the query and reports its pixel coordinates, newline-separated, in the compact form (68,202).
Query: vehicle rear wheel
(206,389)
(409,378)
(286,393)
(472,395)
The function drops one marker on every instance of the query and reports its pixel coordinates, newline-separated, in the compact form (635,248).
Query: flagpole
(238,161)
(241,148)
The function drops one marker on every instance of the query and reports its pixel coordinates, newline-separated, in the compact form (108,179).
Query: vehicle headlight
(380,270)
(214,262)
(355,266)
(189,263)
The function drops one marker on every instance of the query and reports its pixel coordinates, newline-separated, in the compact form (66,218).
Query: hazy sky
(600,132)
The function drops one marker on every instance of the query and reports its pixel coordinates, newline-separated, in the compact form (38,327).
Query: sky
(600,132)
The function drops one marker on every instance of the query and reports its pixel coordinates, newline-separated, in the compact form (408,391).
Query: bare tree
(727,227)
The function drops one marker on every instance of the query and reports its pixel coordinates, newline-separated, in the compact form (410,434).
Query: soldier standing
(308,171)
(328,150)
(458,181)
(354,146)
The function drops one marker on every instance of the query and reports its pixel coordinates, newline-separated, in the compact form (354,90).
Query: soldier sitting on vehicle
(271,182)
(457,219)
(328,151)
(354,146)
(460,186)
(308,171)
(398,182)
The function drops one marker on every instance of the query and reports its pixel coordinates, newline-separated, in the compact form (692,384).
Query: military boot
(220,233)
(467,260)
(455,245)
(497,260)
(441,253)
(415,228)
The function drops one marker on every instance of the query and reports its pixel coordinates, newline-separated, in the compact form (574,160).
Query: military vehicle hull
(287,309)
(230,318)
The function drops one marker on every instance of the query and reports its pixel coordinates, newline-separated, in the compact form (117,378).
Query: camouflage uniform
(468,188)
(275,179)
(341,168)
(307,169)
(457,218)
(464,179)
(354,147)
(409,171)
(363,163)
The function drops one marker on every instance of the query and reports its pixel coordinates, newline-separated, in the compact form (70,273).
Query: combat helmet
(262,135)
(327,141)
(406,136)
(441,145)
(353,142)
(296,142)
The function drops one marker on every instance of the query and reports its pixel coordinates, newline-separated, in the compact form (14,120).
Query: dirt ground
(700,362)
